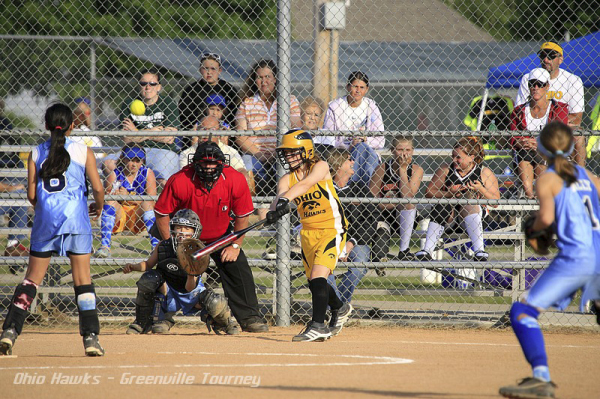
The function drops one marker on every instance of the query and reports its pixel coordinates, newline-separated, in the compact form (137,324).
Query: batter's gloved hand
(282,208)
(540,240)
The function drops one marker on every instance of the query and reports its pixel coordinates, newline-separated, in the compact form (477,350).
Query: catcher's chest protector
(168,266)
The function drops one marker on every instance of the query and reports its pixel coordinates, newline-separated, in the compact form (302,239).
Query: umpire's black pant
(239,287)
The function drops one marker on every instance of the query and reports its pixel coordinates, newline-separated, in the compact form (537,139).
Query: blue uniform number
(587,201)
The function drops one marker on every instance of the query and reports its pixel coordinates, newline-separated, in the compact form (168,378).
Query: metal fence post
(284,38)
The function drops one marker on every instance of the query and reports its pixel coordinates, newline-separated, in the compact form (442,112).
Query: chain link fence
(391,90)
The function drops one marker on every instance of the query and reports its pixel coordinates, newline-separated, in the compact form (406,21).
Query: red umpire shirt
(229,198)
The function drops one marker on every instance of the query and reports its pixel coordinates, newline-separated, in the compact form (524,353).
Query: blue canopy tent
(582,57)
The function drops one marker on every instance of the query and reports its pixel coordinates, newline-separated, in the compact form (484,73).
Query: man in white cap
(565,87)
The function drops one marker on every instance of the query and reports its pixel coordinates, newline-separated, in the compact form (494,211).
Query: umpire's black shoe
(254,326)
(7,341)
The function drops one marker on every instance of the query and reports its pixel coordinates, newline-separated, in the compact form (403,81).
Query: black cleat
(481,256)
(92,345)
(339,318)
(529,388)
(423,256)
(7,341)
(317,332)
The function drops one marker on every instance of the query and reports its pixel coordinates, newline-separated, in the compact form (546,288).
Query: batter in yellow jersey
(323,236)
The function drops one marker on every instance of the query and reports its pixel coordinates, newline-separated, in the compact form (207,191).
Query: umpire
(218,194)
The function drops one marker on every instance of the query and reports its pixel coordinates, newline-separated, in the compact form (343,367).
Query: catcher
(169,285)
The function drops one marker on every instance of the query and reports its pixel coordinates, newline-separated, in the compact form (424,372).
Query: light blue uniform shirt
(61,206)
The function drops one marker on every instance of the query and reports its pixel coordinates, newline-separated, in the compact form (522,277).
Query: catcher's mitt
(540,240)
(191,266)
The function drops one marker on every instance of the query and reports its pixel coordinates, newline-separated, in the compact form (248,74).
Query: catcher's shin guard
(88,314)
(216,306)
(148,285)
(19,307)
(158,313)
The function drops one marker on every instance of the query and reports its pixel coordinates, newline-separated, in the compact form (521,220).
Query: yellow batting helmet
(298,140)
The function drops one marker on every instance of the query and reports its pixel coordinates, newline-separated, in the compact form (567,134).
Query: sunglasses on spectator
(537,84)
(144,84)
(549,54)
(213,56)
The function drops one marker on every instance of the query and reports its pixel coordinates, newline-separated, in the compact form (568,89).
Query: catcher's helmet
(298,142)
(209,152)
(187,218)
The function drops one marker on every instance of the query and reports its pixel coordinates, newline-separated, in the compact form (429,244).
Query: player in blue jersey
(568,198)
(56,186)
(130,177)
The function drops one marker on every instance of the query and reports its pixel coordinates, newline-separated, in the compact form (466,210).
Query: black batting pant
(238,285)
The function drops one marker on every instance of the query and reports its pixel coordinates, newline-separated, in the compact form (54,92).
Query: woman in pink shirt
(258,111)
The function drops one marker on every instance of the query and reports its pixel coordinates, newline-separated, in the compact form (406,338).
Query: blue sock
(107,223)
(531,338)
(149,220)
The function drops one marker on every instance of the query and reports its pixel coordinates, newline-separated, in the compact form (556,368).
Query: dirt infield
(360,362)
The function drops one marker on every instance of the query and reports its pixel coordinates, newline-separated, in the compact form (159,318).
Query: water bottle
(115,186)
(492,140)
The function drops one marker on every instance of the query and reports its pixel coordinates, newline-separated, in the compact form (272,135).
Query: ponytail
(59,119)
(565,169)
(556,143)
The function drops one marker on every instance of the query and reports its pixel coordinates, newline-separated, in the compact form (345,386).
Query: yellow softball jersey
(320,207)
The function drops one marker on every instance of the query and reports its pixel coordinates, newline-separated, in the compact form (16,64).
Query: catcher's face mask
(180,233)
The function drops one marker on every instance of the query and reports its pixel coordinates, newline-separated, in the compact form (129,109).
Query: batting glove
(282,208)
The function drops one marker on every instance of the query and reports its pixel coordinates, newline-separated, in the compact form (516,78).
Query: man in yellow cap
(564,87)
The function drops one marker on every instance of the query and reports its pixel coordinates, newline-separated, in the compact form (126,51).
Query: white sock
(434,232)
(407,222)
(474,229)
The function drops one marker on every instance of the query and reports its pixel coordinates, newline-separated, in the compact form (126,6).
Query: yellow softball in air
(137,107)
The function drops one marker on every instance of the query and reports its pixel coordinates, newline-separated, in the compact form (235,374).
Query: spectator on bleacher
(258,111)
(593,144)
(312,111)
(216,105)
(565,87)
(210,122)
(17,215)
(355,112)
(161,115)
(82,118)
(130,177)
(533,116)
(398,177)
(192,104)
(467,178)
(361,220)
